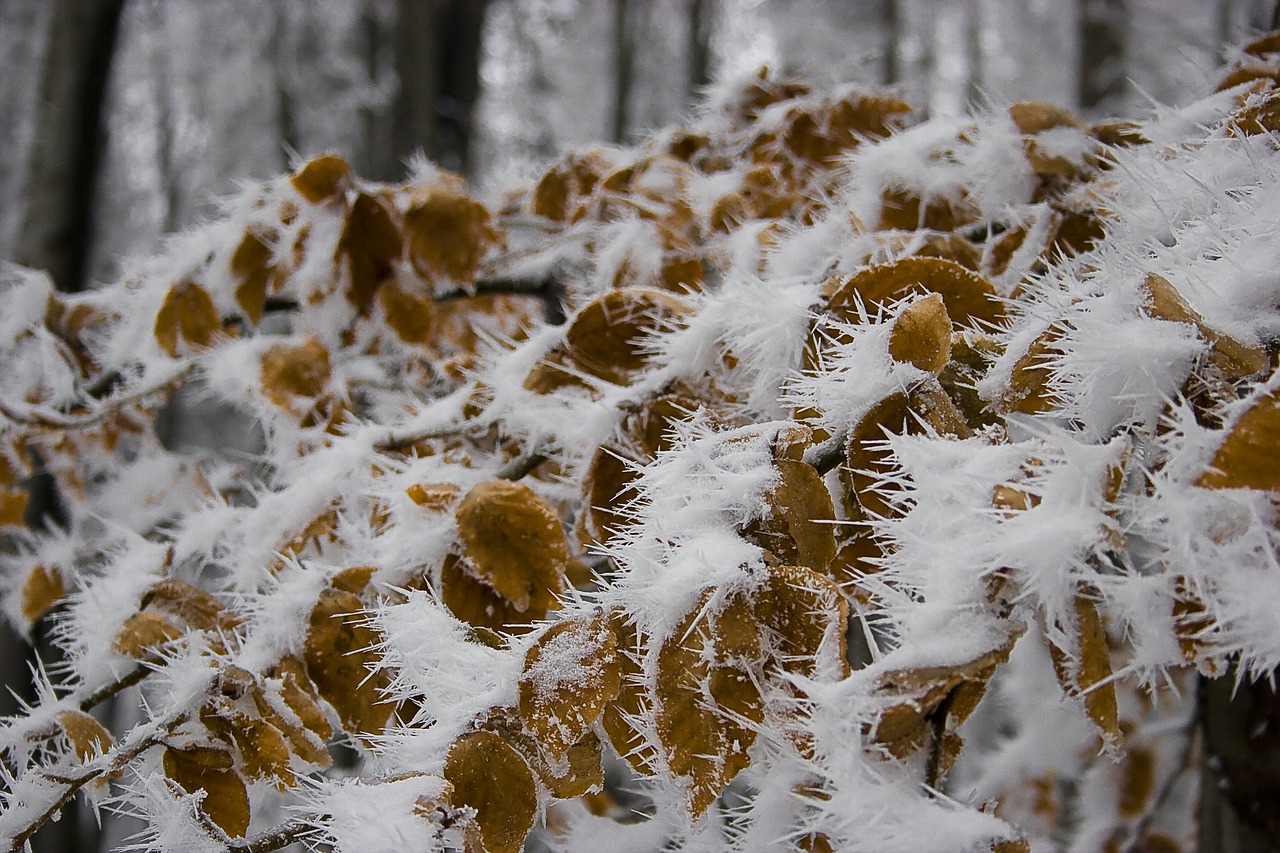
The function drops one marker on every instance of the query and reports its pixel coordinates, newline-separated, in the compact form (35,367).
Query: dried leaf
(476,602)
(1236,359)
(569,676)
(630,702)
(299,695)
(186,605)
(607,338)
(295,371)
(13,507)
(799,527)
(323,180)
(917,695)
(88,737)
(42,589)
(186,315)
(1028,390)
(341,654)
(706,717)
(1247,458)
(448,234)
(515,544)
(435,497)
(491,777)
(805,617)
(251,265)
(1191,623)
(607,489)
(921,335)
(143,634)
(226,800)
(968,297)
(410,315)
(369,244)
(1085,664)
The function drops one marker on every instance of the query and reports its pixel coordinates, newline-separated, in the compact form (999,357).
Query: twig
(99,768)
(124,682)
(394,442)
(281,836)
(825,456)
(503,286)
(518,468)
(38,416)
(938,723)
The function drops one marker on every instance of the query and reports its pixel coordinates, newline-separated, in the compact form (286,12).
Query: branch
(100,767)
(825,456)
(39,416)
(519,467)
(124,682)
(273,839)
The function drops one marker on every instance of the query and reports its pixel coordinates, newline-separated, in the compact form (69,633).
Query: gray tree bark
(1103,50)
(54,234)
(437,60)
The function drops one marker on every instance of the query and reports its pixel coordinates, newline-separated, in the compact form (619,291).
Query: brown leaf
(916,695)
(13,507)
(1247,458)
(251,266)
(143,634)
(927,407)
(1028,390)
(1236,359)
(606,489)
(967,296)
(491,777)
(299,695)
(476,602)
(706,716)
(226,800)
(369,244)
(410,315)
(514,543)
(607,338)
(921,335)
(804,614)
(630,702)
(88,737)
(449,234)
(569,676)
(323,180)
(1085,664)
(800,525)
(435,497)
(293,371)
(187,314)
(340,650)
(42,589)
(187,605)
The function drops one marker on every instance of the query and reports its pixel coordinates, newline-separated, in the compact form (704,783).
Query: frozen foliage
(882,487)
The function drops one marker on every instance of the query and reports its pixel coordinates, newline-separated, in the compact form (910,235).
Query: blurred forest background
(123,120)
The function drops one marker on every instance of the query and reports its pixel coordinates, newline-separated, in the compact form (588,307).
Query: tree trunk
(700,21)
(1103,25)
(437,59)
(54,235)
(623,58)
(891,21)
